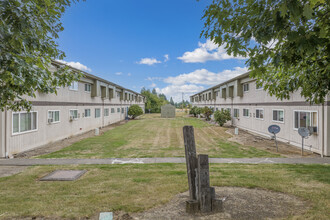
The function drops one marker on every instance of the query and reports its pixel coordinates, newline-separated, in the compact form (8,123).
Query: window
(87,113)
(74,86)
(88,87)
(24,122)
(112,110)
(259,87)
(246,87)
(236,112)
(118,110)
(278,115)
(53,117)
(305,119)
(246,112)
(97,112)
(73,114)
(260,113)
(106,112)
(122,110)
(229,109)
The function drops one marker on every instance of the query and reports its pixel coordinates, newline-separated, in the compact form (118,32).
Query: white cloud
(206,52)
(167,58)
(154,78)
(196,81)
(148,61)
(153,85)
(129,74)
(118,73)
(175,91)
(205,77)
(76,65)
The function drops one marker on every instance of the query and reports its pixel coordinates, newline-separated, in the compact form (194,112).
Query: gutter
(6,150)
(322,150)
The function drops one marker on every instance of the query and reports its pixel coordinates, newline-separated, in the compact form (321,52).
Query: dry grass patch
(135,188)
(152,136)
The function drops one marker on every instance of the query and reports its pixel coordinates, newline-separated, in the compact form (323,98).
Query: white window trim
(263,114)
(248,113)
(317,118)
(234,113)
(282,122)
(85,87)
(19,123)
(58,116)
(248,86)
(89,113)
(108,112)
(74,89)
(95,113)
(70,114)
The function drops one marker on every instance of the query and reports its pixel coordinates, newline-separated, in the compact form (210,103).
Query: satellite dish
(304,132)
(274,129)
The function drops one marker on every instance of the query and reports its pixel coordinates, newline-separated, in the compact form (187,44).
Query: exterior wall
(259,99)
(2,134)
(64,101)
(168,111)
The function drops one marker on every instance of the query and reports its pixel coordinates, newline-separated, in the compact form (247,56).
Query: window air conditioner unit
(312,130)
(50,120)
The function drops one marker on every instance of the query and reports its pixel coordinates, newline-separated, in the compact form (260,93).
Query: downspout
(102,113)
(6,150)
(322,150)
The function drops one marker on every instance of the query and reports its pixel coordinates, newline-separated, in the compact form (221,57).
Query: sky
(146,43)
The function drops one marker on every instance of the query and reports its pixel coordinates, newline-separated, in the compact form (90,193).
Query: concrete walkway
(29,162)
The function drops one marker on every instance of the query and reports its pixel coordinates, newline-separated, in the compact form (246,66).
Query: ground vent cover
(63,175)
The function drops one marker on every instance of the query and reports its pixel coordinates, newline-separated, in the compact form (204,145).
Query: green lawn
(133,188)
(152,136)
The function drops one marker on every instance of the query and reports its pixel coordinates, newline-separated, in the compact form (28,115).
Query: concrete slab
(63,175)
(106,216)
(30,162)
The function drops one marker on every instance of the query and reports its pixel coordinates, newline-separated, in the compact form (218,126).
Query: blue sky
(150,43)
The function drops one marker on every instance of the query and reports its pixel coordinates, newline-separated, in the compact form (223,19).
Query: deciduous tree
(28,30)
(287,43)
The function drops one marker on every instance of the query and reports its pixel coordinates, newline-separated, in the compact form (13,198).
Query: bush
(198,111)
(207,113)
(193,111)
(222,116)
(134,111)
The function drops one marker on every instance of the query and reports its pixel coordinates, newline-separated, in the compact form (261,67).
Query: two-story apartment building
(253,109)
(85,105)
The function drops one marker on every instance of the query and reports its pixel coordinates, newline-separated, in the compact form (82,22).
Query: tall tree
(171,101)
(287,42)
(27,47)
(154,91)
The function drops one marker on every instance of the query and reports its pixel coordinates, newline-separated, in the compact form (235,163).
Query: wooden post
(191,159)
(204,190)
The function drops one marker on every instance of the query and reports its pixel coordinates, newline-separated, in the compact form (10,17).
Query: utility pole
(182,102)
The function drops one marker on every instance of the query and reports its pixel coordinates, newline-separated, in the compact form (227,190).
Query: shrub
(193,111)
(221,117)
(198,111)
(134,111)
(207,113)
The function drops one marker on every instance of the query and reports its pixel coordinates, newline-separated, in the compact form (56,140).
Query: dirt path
(238,203)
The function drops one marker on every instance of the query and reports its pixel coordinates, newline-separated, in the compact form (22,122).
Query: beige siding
(260,99)
(64,101)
